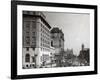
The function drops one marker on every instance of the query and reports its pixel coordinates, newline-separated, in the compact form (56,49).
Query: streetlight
(35,60)
(51,58)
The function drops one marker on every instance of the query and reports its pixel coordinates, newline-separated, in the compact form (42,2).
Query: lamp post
(51,58)
(35,60)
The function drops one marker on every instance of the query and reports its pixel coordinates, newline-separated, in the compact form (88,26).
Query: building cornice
(39,16)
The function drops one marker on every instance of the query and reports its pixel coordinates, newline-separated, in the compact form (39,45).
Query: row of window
(33,25)
(33,44)
(29,40)
(45,30)
(44,26)
(27,49)
(45,41)
(33,33)
(44,57)
(33,39)
(45,45)
(44,36)
(29,24)
(28,43)
(45,49)
(27,58)
(42,49)
(27,33)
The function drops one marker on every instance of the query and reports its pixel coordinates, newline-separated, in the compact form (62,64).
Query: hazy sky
(76,28)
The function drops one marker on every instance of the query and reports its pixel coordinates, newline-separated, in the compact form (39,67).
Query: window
(41,28)
(51,43)
(33,24)
(27,42)
(33,48)
(41,44)
(27,25)
(43,31)
(33,39)
(27,33)
(27,37)
(41,24)
(33,33)
(27,58)
(33,44)
(26,65)
(27,49)
(41,49)
(33,59)
(41,38)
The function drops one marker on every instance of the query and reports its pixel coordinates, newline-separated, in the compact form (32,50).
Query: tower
(82,47)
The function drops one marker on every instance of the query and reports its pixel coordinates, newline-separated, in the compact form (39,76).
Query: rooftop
(56,30)
(36,14)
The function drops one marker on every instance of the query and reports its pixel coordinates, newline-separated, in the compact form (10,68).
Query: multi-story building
(36,39)
(57,41)
(84,55)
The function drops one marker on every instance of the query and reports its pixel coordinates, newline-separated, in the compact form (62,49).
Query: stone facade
(36,39)
(42,44)
(57,42)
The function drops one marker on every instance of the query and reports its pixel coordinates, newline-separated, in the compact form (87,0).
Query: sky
(76,28)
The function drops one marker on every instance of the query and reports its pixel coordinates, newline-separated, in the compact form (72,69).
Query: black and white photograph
(55,39)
